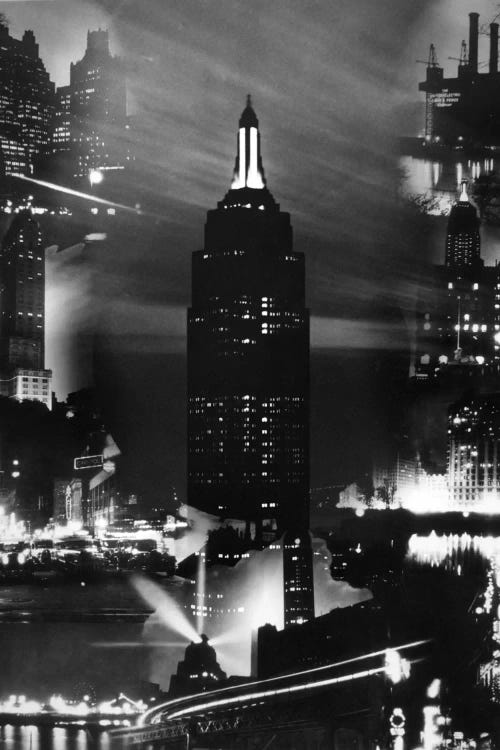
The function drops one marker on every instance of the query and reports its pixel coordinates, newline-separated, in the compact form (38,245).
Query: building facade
(61,134)
(22,313)
(474,453)
(27,103)
(248,356)
(98,109)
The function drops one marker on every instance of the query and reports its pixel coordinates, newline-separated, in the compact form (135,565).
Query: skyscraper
(457,321)
(98,108)
(22,312)
(26,103)
(248,356)
(463,242)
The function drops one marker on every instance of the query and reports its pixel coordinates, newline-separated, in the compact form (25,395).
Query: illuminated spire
(464,198)
(248,170)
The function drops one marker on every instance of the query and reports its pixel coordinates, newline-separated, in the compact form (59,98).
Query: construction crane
(431,62)
(463,60)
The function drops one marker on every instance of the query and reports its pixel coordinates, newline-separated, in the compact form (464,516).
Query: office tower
(97,108)
(473,453)
(22,314)
(248,356)
(26,103)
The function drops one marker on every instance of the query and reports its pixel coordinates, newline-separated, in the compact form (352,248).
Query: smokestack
(493,48)
(473,40)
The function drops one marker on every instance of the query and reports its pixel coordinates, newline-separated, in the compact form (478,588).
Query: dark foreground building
(248,356)
(198,671)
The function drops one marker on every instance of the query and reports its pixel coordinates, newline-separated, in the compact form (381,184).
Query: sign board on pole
(88,462)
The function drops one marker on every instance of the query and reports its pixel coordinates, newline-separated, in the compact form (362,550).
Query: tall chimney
(473,40)
(493,48)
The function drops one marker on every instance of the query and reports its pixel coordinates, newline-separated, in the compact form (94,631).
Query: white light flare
(85,196)
(254,178)
(166,608)
(396,668)
(95,177)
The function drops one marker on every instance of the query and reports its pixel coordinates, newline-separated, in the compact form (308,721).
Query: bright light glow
(166,608)
(396,668)
(431,735)
(95,237)
(434,689)
(240,179)
(95,176)
(121,706)
(254,178)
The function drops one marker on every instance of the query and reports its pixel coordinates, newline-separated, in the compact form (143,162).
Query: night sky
(334,83)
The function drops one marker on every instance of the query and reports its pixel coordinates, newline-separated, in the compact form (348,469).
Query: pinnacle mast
(248,169)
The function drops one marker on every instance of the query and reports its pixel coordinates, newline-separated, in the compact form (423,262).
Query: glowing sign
(397,721)
(88,462)
(445,98)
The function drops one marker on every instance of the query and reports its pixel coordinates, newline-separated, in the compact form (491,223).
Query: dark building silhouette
(248,356)
(464,109)
(22,312)
(97,109)
(27,103)
(198,671)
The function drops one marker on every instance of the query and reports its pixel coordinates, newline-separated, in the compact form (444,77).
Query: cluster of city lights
(430,495)
(11,530)
(20,705)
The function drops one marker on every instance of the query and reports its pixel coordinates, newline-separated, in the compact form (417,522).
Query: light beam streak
(255,683)
(166,608)
(279,691)
(87,196)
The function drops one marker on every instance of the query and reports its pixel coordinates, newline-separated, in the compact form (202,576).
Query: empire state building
(248,356)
